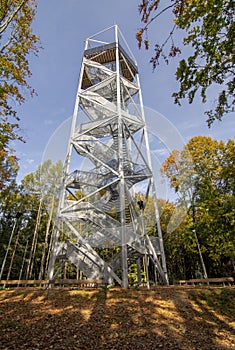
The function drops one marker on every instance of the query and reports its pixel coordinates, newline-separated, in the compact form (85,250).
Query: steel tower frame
(98,206)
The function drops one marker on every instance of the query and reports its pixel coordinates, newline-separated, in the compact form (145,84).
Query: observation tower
(107,166)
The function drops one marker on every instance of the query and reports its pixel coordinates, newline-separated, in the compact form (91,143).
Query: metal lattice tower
(108,161)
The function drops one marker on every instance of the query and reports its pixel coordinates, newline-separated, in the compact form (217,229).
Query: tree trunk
(42,269)
(34,242)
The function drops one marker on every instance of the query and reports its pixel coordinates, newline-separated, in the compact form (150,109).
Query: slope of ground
(170,318)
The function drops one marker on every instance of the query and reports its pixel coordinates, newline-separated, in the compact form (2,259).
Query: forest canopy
(203,177)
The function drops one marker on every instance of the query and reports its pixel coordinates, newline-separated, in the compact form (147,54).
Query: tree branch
(4,25)
(158,14)
(8,42)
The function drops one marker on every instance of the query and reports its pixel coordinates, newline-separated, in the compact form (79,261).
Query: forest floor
(169,318)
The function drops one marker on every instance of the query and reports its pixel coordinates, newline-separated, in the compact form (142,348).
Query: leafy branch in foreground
(17,42)
(209,30)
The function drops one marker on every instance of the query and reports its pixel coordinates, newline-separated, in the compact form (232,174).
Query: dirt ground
(169,318)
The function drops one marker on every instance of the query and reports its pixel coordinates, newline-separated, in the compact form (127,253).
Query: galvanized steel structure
(108,161)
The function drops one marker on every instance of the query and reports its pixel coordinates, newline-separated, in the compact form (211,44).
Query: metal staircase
(98,203)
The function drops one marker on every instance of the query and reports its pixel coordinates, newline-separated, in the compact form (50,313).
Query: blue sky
(63,26)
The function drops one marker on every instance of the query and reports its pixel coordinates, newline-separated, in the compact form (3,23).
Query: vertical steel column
(153,188)
(56,231)
(121,170)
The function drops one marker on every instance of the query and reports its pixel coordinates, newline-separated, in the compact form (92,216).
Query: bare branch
(8,42)
(4,25)
(158,14)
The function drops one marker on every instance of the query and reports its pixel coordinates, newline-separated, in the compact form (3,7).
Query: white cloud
(30,161)
(49,122)
(160,152)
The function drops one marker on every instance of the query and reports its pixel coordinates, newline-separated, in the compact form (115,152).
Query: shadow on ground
(164,318)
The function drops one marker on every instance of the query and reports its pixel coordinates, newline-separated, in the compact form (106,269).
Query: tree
(179,244)
(8,161)
(17,42)
(203,175)
(209,28)
(26,221)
